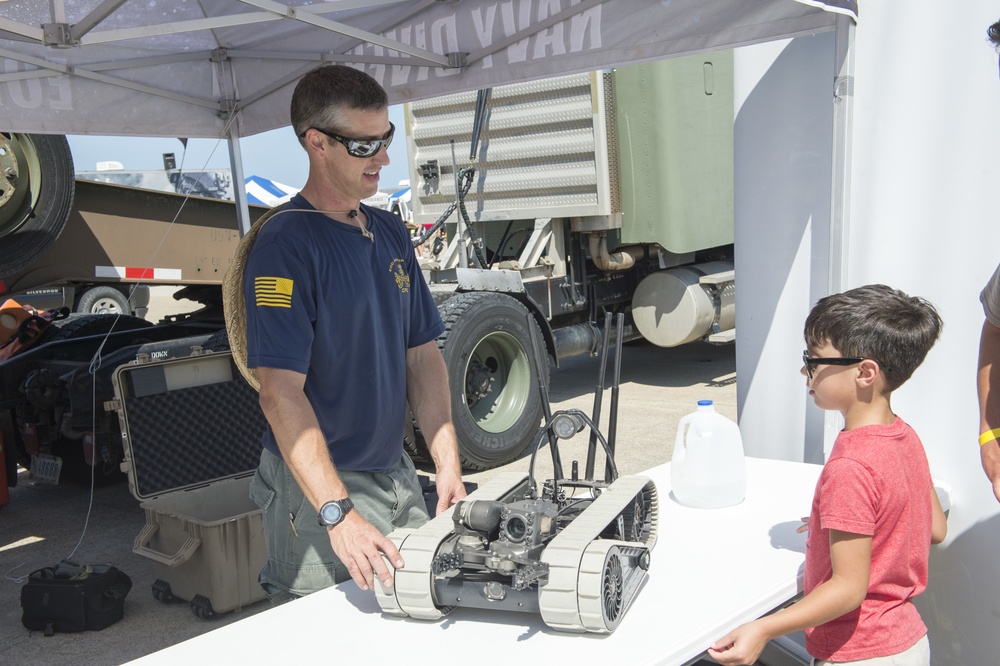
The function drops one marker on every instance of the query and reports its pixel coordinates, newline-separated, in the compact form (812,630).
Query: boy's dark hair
(323,94)
(877,322)
(993,34)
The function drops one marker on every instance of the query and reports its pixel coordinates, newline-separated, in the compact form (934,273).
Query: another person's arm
(427,393)
(939,522)
(357,543)
(851,556)
(988,384)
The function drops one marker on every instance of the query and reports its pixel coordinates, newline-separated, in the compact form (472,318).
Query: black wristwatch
(332,513)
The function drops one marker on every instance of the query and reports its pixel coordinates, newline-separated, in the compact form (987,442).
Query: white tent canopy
(225,68)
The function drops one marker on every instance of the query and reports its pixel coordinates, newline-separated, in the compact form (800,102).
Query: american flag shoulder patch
(273,292)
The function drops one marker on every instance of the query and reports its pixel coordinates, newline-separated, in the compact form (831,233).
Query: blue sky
(276,155)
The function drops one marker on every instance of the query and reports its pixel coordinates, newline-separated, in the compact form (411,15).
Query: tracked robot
(576,551)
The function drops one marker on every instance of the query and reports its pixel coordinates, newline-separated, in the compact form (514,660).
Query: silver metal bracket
(59,35)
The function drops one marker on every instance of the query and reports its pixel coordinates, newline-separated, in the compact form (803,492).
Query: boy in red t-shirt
(874,513)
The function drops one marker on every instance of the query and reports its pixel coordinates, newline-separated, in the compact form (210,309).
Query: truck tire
(219,342)
(36,196)
(103,300)
(414,444)
(495,402)
(81,325)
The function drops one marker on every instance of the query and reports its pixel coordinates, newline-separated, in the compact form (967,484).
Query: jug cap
(705,403)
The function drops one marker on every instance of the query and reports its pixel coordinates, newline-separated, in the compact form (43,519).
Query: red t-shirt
(877,482)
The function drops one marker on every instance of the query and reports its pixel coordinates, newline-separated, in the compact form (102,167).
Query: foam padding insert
(192,436)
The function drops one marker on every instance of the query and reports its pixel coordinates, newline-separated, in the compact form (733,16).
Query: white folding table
(711,570)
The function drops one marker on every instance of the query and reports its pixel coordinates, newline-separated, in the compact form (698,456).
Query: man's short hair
(993,34)
(877,322)
(321,96)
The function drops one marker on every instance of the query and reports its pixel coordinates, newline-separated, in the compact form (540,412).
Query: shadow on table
(784,537)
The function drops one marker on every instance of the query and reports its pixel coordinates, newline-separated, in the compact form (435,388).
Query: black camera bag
(70,597)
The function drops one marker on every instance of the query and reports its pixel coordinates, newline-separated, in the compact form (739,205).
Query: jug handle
(680,444)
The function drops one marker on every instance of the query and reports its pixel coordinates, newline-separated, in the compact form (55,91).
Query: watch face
(331,513)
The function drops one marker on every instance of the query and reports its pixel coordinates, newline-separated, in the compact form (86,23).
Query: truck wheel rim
(19,171)
(106,306)
(502,361)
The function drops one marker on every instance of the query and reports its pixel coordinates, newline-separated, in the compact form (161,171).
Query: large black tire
(81,325)
(496,406)
(218,342)
(36,195)
(103,300)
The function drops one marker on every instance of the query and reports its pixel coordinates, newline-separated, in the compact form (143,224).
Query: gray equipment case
(191,429)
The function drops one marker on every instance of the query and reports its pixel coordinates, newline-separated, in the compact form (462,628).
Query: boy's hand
(804,527)
(740,647)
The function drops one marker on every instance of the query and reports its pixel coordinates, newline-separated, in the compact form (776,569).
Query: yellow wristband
(989,436)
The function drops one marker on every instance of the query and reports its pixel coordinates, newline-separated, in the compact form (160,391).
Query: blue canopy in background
(265,192)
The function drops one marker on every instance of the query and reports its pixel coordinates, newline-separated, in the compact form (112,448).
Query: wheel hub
(106,306)
(478,382)
(14,183)
(8,170)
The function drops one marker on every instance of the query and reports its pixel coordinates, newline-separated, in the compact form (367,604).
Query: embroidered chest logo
(399,273)
(273,292)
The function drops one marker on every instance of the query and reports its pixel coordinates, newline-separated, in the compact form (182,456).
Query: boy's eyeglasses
(811,362)
(359,147)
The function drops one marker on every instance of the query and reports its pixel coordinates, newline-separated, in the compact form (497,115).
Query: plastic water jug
(708,470)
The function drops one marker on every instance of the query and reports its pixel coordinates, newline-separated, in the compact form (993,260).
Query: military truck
(565,199)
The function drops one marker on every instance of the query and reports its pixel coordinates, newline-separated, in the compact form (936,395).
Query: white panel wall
(924,218)
(783,152)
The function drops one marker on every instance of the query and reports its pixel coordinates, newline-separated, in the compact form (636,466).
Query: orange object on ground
(12,315)
(22,325)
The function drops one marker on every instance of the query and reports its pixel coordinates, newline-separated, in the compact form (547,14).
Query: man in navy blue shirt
(341,330)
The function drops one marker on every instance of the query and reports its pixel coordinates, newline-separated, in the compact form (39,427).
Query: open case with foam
(191,429)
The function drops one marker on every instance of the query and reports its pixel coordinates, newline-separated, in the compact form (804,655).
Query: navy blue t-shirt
(325,301)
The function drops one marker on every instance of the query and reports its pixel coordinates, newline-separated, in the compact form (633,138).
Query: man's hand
(450,490)
(360,547)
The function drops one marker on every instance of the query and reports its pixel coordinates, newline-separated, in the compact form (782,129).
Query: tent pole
(840,213)
(239,182)
(843,122)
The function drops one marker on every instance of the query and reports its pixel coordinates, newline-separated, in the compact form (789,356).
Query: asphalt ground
(43,524)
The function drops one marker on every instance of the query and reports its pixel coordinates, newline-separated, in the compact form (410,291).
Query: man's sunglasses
(359,147)
(811,362)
